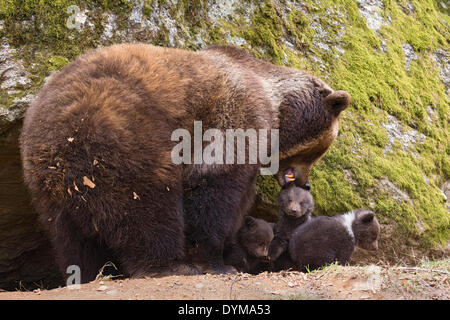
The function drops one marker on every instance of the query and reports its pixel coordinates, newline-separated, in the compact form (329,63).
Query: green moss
(265,32)
(269,188)
(148,8)
(57,62)
(217,35)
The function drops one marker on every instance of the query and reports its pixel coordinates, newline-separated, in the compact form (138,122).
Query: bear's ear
(337,101)
(367,217)
(250,222)
(324,92)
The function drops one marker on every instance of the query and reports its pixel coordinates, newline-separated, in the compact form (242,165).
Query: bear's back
(320,241)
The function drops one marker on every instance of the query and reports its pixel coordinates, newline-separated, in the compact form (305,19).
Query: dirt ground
(370,282)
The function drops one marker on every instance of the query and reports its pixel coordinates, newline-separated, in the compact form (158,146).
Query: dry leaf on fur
(88,182)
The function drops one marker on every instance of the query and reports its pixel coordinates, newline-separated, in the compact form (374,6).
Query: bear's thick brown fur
(96,149)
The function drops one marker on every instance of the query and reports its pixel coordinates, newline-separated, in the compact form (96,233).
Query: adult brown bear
(96,148)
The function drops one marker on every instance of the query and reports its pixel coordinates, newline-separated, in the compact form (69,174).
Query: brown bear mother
(96,148)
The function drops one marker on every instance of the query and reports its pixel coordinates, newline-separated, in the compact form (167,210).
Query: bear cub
(296,206)
(250,245)
(324,240)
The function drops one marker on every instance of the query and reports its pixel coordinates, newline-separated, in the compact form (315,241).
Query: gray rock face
(159,18)
(371,11)
(14,79)
(110,28)
(136,14)
(410,54)
(8,117)
(442,59)
(446,193)
(221,9)
(395,192)
(408,138)
(13,76)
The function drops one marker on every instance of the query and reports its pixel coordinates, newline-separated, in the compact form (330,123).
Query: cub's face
(309,123)
(295,202)
(255,236)
(366,229)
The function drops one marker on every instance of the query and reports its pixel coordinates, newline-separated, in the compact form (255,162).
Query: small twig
(232,283)
(422,269)
(100,274)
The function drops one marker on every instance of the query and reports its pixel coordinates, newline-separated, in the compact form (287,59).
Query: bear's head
(293,201)
(255,235)
(308,124)
(366,229)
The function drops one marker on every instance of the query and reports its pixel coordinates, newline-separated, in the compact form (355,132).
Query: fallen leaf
(75,186)
(95,162)
(69,191)
(70,139)
(51,167)
(135,196)
(88,182)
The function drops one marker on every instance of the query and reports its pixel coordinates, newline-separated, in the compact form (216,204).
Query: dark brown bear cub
(324,240)
(250,245)
(295,206)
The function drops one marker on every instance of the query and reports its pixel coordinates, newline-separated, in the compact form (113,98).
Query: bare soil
(373,282)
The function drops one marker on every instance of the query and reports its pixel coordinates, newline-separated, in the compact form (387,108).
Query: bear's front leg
(214,204)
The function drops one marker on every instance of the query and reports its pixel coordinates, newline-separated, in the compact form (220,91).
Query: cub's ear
(250,222)
(367,217)
(337,101)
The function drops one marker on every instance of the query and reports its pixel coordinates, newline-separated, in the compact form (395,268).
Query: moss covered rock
(392,153)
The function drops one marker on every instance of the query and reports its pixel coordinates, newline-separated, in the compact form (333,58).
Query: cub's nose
(375,246)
